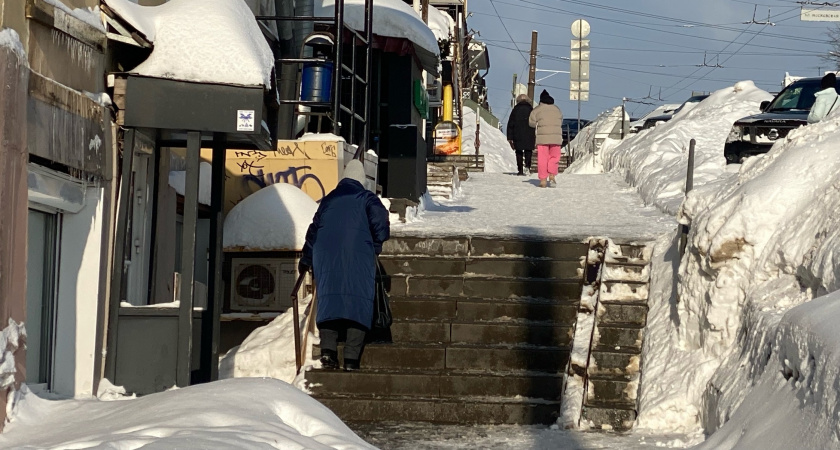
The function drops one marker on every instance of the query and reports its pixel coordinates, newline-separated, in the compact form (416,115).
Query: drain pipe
(304,8)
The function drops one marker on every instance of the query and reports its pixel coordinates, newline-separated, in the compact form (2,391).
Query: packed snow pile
(178,181)
(274,218)
(761,241)
(223,44)
(587,146)
(269,351)
(11,338)
(795,401)
(392,18)
(246,413)
(655,160)
(493,144)
(11,40)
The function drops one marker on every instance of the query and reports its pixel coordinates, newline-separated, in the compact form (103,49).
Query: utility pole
(532,70)
(424,4)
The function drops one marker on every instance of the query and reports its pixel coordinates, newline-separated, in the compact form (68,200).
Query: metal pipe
(296,321)
(447,103)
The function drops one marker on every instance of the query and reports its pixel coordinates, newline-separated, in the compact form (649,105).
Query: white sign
(820,15)
(245,120)
(580,28)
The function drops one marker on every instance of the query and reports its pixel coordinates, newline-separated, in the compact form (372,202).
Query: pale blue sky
(641,46)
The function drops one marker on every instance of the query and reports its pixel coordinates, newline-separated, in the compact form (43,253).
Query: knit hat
(354,170)
(545,98)
(829,80)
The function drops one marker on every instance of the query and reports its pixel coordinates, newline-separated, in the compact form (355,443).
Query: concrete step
(612,390)
(495,266)
(466,410)
(483,287)
(400,245)
(482,310)
(625,291)
(484,333)
(619,336)
(533,249)
(604,416)
(504,358)
(614,363)
(616,312)
(436,384)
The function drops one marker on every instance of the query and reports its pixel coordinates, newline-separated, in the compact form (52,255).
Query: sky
(645,47)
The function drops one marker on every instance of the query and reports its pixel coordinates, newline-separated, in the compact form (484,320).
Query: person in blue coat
(342,242)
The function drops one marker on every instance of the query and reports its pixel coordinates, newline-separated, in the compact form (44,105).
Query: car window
(795,97)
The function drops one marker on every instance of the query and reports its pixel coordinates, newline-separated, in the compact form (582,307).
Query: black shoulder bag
(382,319)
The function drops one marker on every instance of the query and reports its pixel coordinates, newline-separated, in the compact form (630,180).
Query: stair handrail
(300,346)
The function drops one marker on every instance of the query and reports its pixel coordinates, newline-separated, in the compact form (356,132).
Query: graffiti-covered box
(315,166)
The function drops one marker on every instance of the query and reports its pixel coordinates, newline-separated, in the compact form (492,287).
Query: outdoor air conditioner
(263,284)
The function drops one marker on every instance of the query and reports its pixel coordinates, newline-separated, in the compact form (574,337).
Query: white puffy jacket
(827,101)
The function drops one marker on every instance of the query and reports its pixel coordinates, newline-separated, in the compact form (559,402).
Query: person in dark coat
(342,242)
(520,133)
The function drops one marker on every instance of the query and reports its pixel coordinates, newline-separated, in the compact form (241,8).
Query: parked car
(651,122)
(637,124)
(756,134)
(570,129)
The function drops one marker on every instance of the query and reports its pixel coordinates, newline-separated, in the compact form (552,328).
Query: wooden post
(532,68)
(185,322)
(210,327)
(689,185)
(118,268)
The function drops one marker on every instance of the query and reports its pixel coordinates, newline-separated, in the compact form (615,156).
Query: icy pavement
(578,207)
(424,436)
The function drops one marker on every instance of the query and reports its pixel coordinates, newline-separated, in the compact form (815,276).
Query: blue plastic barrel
(316,82)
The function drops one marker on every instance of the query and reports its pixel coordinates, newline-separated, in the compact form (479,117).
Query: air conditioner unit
(262,284)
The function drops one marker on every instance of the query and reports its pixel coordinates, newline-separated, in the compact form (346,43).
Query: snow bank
(393,18)
(11,40)
(223,44)
(498,156)
(249,413)
(10,341)
(655,160)
(269,351)
(274,218)
(796,399)
(762,241)
(178,181)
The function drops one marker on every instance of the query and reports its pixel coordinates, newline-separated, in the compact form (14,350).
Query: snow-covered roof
(392,18)
(90,16)
(274,218)
(208,41)
(441,24)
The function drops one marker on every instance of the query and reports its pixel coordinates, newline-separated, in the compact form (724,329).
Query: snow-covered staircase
(610,332)
(443,180)
(482,331)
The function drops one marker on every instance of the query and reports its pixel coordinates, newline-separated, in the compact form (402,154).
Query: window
(40,295)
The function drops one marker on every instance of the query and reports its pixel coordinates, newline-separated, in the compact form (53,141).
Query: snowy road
(580,206)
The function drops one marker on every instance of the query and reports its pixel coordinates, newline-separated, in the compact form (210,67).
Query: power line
(513,41)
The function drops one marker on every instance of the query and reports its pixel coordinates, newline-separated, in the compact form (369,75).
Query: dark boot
(351,365)
(329,359)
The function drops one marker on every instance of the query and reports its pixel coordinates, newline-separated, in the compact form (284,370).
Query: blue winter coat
(342,242)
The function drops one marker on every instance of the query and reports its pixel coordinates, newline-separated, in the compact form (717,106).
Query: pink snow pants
(548,156)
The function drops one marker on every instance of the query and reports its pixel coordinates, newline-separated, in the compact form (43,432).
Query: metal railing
(309,313)
(359,87)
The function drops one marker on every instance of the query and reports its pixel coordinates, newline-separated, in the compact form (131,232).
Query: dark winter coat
(518,130)
(342,242)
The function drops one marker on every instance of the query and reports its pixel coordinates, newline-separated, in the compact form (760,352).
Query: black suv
(756,134)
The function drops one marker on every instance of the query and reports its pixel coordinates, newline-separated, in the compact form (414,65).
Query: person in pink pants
(547,119)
